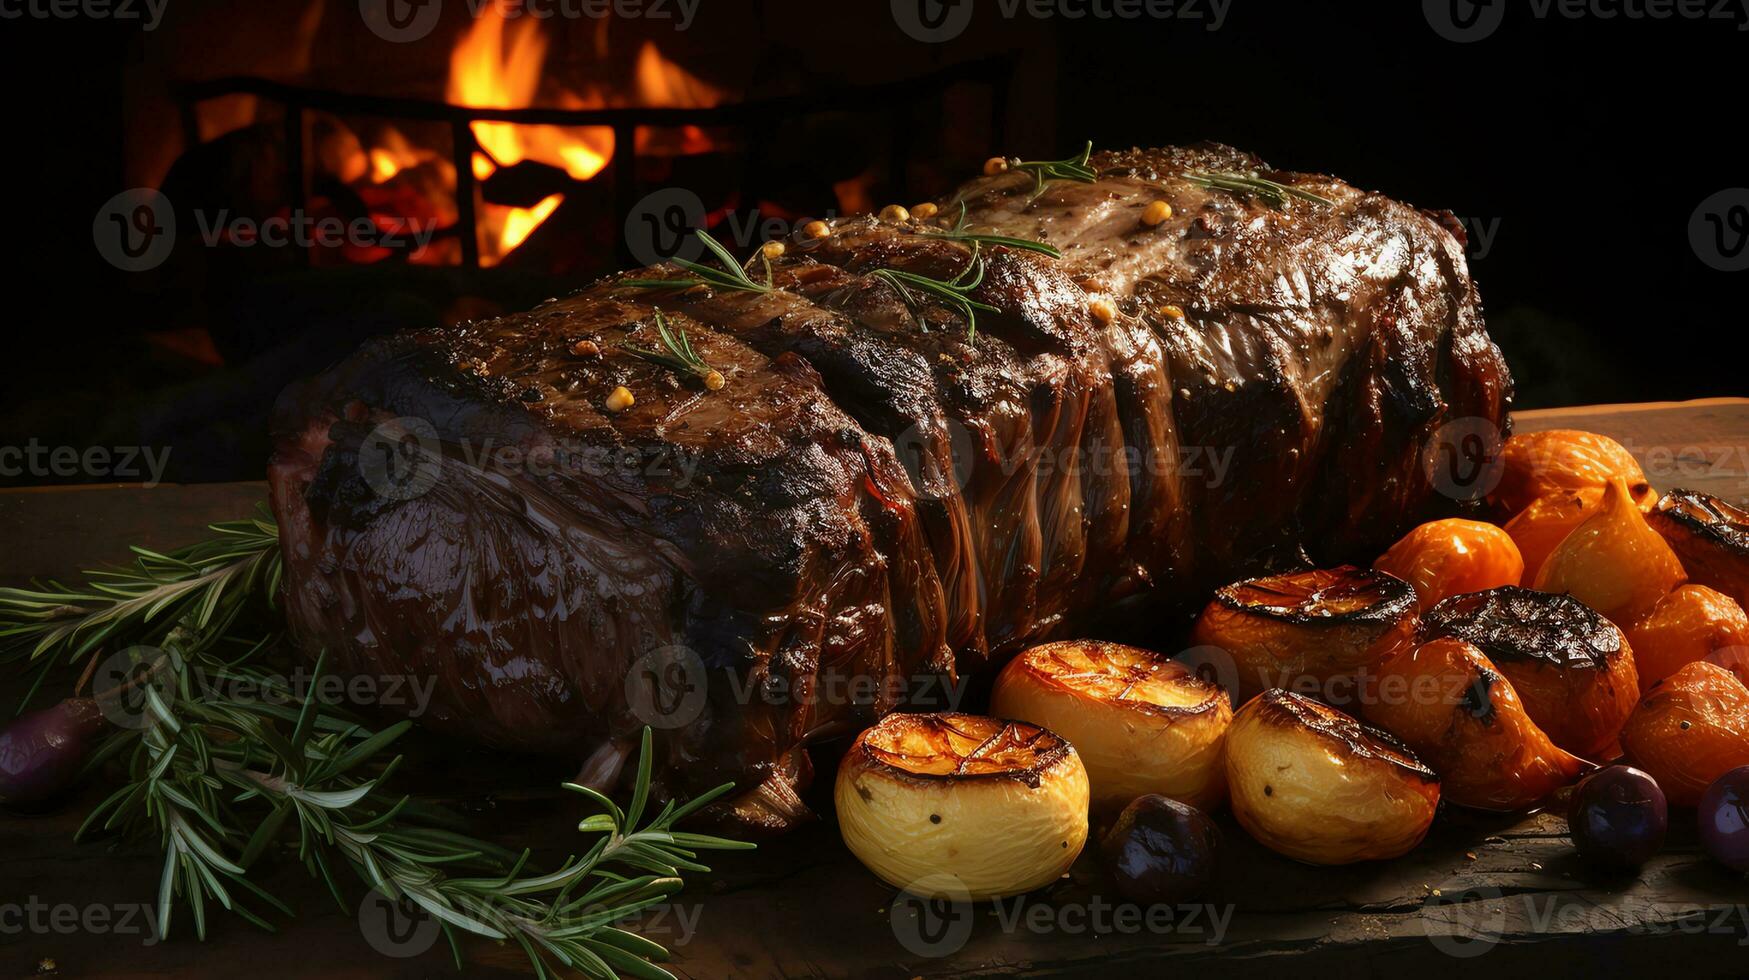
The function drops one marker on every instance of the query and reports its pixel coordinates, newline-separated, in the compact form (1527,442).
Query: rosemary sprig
(1270,192)
(959,234)
(1068,168)
(206,588)
(732,275)
(955,292)
(224,782)
(677,354)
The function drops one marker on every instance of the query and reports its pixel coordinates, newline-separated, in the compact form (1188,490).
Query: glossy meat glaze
(871,499)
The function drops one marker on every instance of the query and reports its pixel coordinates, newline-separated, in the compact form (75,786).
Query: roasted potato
(1318,786)
(1141,722)
(961,806)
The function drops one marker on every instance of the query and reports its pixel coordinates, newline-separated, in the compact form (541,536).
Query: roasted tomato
(1540,464)
(1614,562)
(1539,528)
(1710,536)
(1316,785)
(1571,667)
(1451,557)
(1142,723)
(1461,716)
(1316,628)
(1690,623)
(1691,728)
(962,806)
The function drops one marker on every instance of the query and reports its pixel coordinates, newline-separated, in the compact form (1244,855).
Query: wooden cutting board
(1504,896)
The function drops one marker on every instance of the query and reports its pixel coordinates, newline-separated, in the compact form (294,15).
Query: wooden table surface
(1503,895)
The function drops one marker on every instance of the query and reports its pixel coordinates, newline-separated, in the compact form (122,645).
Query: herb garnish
(731,276)
(1069,168)
(1270,192)
(955,292)
(677,354)
(959,234)
(222,779)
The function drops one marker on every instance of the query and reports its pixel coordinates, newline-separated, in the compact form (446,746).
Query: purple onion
(1724,819)
(41,753)
(1618,817)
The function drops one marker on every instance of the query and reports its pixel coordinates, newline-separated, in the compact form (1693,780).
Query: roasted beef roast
(880,498)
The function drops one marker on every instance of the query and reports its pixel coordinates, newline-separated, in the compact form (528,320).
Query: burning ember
(498,64)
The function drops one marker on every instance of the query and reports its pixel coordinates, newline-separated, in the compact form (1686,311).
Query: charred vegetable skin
(1322,627)
(862,495)
(1314,784)
(1572,669)
(1711,536)
(1449,703)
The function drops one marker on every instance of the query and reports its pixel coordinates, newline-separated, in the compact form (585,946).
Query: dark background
(1582,146)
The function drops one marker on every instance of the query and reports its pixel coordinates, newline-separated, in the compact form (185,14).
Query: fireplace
(328,176)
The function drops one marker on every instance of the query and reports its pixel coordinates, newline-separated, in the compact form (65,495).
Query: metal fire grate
(897,100)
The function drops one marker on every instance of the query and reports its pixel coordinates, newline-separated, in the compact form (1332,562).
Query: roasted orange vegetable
(1451,557)
(1316,785)
(1315,630)
(1711,536)
(1460,715)
(1572,668)
(1539,528)
(1541,464)
(1614,562)
(1689,624)
(1691,728)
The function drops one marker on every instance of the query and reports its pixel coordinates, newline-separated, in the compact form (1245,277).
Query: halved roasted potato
(1461,716)
(1537,464)
(1141,722)
(1306,629)
(1318,786)
(1710,536)
(1573,669)
(1613,562)
(962,806)
(1691,728)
